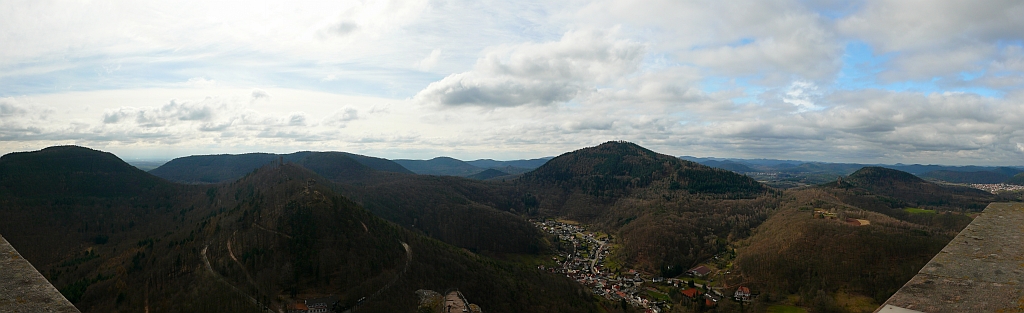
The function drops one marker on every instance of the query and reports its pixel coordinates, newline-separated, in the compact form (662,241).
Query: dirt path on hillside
(244,271)
(271,230)
(209,268)
(408,260)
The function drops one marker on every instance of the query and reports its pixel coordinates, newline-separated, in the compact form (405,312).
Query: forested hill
(978,177)
(228,167)
(65,171)
(459,211)
(487,174)
(335,166)
(669,213)
(862,236)
(910,190)
(277,232)
(873,176)
(1016,179)
(524,164)
(440,166)
(613,168)
(293,222)
(821,258)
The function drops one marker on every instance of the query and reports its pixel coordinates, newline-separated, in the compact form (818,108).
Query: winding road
(405,268)
(221,279)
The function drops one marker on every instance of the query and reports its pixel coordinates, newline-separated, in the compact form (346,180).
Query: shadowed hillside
(228,167)
(115,239)
(440,166)
(459,211)
(981,177)
(909,190)
(487,174)
(476,215)
(277,232)
(615,168)
(66,171)
(1016,179)
(523,164)
(335,166)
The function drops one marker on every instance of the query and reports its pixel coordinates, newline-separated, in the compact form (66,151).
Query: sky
(877,81)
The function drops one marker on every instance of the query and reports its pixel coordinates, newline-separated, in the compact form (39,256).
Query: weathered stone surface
(981,270)
(23,288)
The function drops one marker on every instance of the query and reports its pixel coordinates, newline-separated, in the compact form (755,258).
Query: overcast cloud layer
(879,81)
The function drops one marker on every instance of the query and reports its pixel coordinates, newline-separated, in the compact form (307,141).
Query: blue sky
(881,81)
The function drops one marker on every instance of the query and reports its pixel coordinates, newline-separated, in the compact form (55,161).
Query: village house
(699,271)
(319,305)
(691,292)
(742,294)
(709,303)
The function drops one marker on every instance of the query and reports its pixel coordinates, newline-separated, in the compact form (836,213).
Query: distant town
(587,264)
(994,188)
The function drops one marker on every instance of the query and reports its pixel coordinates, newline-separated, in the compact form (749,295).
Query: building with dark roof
(699,271)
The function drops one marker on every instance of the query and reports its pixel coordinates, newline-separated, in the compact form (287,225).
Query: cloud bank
(864,81)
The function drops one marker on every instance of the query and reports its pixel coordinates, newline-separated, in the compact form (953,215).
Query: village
(995,188)
(587,263)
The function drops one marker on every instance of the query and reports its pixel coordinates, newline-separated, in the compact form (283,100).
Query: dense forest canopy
(277,232)
(342,224)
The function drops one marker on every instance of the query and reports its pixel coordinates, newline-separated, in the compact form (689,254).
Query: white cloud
(8,107)
(937,38)
(588,124)
(538,73)
(258,94)
(482,90)
(297,119)
(381,109)
(751,78)
(374,18)
(341,117)
(750,37)
(173,112)
(803,95)
(430,61)
(915,25)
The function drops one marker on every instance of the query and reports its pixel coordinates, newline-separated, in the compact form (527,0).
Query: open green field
(786,309)
(659,296)
(918,211)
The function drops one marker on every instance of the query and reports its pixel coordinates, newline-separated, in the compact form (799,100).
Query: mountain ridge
(278,231)
(645,198)
(225,167)
(446,166)
(72,171)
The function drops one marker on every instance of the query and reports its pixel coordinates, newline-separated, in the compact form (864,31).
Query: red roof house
(691,292)
(742,294)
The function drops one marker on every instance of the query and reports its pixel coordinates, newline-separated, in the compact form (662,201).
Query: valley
(611,228)
(440,156)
